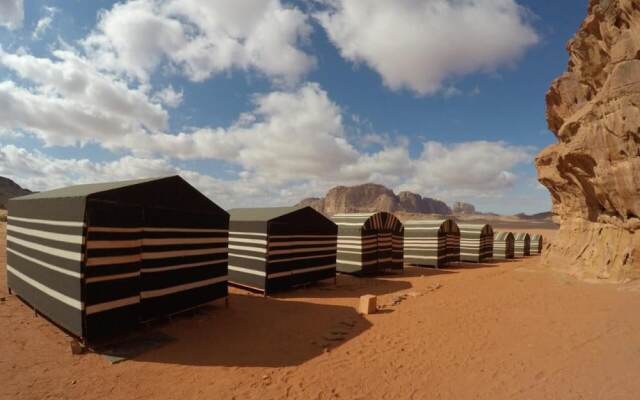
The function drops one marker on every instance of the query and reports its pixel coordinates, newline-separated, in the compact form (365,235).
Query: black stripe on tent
(107,323)
(159,306)
(105,291)
(171,278)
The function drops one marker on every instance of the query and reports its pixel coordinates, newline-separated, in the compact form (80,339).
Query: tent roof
(84,190)
(501,235)
(261,214)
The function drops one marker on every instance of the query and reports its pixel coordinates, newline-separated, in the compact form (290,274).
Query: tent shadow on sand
(257,332)
(349,286)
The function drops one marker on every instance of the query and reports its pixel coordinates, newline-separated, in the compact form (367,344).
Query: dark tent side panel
(427,242)
(301,249)
(45,244)
(536,244)
(476,242)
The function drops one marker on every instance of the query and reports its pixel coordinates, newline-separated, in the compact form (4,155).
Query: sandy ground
(495,331)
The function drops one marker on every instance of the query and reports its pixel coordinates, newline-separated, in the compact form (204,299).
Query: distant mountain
(373,197)
(9,189)
(539,216)
(460,207)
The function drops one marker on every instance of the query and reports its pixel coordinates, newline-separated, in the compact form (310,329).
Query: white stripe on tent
(45,289)
(245,256)
(233,239)
(97,261)
(110,305)
(356,262)
(47,221)
(170,241)
(59,237)
(247,233)
(182,266)
(304,250)
(69,255)
(248,248)
(182,288)
(47,265)
(112,277)
(247,270)
(181,253)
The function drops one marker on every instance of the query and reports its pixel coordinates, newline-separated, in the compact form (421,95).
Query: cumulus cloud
(44,23)
(202,38)
(11,13)
(420,44)
(72,102)
(169,97)
(467,169)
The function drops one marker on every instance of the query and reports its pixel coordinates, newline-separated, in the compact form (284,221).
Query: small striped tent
(369,242)
(97,259)
(536,244)
(503,245)
(476,242)
(274,248)
(431,242)
(522,244)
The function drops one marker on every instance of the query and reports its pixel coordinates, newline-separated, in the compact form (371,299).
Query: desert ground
(501,330)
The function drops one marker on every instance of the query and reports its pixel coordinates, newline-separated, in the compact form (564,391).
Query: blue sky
(264,102)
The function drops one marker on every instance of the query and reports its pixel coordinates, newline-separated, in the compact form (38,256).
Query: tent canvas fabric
(536,244)
(369,242)
(476,242)
(97,259)
(503,245)
(431,242)
(522,244)
(275,248)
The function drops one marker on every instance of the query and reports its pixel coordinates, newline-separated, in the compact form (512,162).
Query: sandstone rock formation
(460,207)
(373,197)
(9,189)
(593,172)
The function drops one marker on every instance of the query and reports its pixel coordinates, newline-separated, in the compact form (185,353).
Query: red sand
(496,331)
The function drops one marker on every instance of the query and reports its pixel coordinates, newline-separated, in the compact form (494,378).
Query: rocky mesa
(593,172)
(373,197)
(9,189)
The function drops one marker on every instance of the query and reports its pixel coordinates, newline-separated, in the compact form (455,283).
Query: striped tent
(275,248)
(99,258)
(431,242)
(369,242)
(536,243)
(503,245)
(476,242)
(522,244)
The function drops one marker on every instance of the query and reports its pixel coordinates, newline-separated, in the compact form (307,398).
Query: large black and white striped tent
(503,245)
(431,242)
(522,244)
(476,242)
(369,242)
(275,248)
(536,244)
(99,258)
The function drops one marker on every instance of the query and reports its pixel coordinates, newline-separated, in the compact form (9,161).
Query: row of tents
(98,258)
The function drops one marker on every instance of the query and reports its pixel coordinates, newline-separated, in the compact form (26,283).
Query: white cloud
(467,169)
(72,102)
(169,97)
(11,13)
(421,44)
(202,38)
(44,23)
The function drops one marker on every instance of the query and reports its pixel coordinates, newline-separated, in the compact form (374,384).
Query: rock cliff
(9,189)
(372,197)
(460,207)
(593,172)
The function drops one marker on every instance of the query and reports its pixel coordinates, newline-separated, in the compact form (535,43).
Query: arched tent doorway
(536,244)
(476,242)
(503,245)
(523,244)
(368,242)
(431,242)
